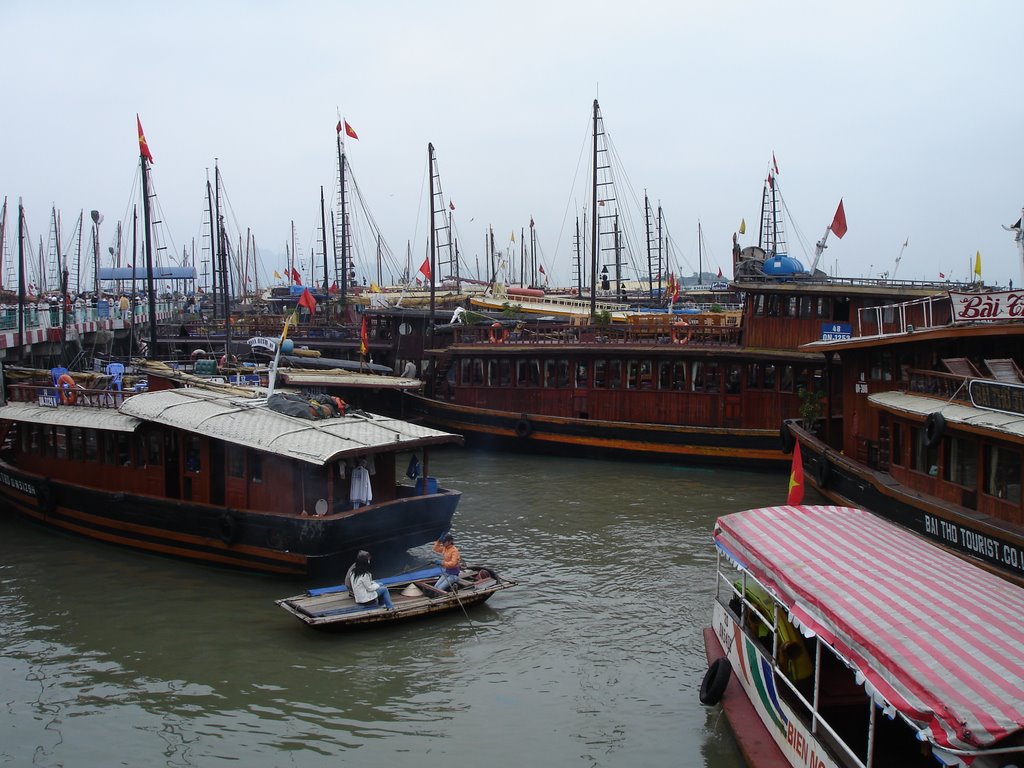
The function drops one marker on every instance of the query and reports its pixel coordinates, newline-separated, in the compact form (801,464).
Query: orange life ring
(66,389)
(498,334)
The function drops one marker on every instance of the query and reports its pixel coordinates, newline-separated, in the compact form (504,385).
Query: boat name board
(48,400)
(262,342)
(836,331)
(999,396)
(997,305)
(999,553)
(18,485)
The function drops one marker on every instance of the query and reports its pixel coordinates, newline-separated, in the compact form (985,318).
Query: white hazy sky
(912,112)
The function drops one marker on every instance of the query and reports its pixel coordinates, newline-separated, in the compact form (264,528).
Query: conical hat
(412,591)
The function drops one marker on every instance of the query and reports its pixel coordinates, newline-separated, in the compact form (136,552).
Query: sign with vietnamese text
(996,396)
(997,305)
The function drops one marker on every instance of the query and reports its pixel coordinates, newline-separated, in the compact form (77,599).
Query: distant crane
(898,258)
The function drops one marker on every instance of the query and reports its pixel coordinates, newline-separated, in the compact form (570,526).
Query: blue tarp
(424,573)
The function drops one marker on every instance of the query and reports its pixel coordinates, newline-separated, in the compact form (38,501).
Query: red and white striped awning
(939,639)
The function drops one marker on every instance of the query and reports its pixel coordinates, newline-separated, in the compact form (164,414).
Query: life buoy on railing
(934,429)
(66,389)
(523,427)
(498,334)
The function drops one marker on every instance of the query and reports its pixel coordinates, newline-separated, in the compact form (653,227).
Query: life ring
(934,428)
(66,389)
(198,354)
(483,575)
(715,680)
(225,361)
(821,471)
(523,427)
(229,528)
(786,438)
(497,335)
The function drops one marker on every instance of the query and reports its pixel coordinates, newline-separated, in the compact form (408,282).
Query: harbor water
(112,657)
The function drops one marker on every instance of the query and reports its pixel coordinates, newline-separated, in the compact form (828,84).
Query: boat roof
(934,637)
(250,423)
(1009,424)
(341,378)
(89,418)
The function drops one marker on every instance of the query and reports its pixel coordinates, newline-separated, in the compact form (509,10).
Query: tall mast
(3,241)
(594,249)
(148,240)
(323,237)
(433,239)
(213,246)
(21,274)
(647,232)
(344,220)
(700,255)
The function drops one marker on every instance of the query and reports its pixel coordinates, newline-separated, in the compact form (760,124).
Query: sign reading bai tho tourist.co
(998,305)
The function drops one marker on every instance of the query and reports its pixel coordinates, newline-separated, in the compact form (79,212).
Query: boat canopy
(1011,425)
(931,636)
(249,422)
(89,418)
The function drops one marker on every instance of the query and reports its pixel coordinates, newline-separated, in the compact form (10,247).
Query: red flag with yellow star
(143,146)
(796,479)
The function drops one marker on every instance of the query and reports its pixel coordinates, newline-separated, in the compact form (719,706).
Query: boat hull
(769,733)
(309,546)
(996,545)
(743,448)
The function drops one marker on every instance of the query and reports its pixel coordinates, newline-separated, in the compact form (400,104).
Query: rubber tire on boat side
(934,429)
(822,471)
(523,427)
(786,438)
(712,687)
(229,528)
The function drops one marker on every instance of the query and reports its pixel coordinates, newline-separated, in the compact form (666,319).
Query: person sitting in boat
(366,592)
(449,562)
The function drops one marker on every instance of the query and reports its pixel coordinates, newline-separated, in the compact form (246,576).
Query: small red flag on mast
(839,222)
(349,132)
(143,146)
(796,478)
(425,269)
(306,300)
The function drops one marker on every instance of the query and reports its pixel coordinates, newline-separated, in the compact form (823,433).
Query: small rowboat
(413,595)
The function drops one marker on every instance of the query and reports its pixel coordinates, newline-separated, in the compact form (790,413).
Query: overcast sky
(912,112)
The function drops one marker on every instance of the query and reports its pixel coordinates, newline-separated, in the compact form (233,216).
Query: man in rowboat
(449,562)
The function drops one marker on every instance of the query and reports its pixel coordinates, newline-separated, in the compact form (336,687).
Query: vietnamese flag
(349,132)
(796,479)
(839,222)
(364,339)
(143,146)
(306,300)
(296,277)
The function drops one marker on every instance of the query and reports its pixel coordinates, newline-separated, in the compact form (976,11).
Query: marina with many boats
(293,431)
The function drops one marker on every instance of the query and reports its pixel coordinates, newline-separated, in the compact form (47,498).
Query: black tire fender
(523,427)
(712,687)
(229,528)
(821,471)
(934,429)
(786,438)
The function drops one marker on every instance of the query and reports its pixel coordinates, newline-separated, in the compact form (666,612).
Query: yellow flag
(743,226)
(977,264)
(513,236)
(374,288)
(277,276)
(292,319)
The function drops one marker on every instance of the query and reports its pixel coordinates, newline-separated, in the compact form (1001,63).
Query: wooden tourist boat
(839,639)
(413,595)
(214,473)
(928,427)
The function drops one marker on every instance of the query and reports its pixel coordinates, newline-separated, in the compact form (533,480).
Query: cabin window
(124,450)
(255,467)
(787,380)
(753,375)
(824,307)
(581,375)
(961,466)
(562,373)
(791,307)
(236,461)
(881,366)
(712,381)
(896,449)
(923,458)
(804,307)
(646,374)
(478,371)
(60,442)
(769,376)
(759,304)
(492,373)
(600,372)
(773,306)
(1002,473)
(153,449)
(533,372)
(732,379)
(841,310)
(549,373)
(522,372)
(465,371)
(614,374)
(92,445)
(679,376)
(109,449)
(505,373)
(28,436)
(193,454)
(77,443)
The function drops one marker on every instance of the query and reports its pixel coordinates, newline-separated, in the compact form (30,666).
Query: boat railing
(682,332)
(59,397)
(944,386)
(918,314)
(850,282)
